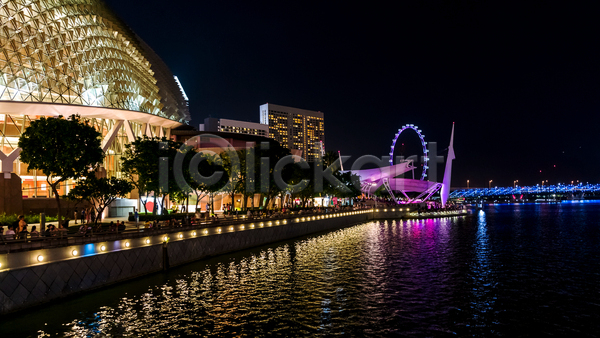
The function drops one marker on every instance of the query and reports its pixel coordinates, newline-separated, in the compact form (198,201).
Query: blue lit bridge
(560,191)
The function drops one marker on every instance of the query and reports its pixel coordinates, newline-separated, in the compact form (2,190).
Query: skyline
(518,81)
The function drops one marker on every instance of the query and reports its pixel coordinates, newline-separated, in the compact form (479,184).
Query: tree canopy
(148,164)
(100,192)
(62,148)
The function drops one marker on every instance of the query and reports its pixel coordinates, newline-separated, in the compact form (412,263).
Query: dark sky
(521,81)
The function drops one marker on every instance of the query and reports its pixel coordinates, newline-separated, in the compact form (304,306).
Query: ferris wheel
(423,144)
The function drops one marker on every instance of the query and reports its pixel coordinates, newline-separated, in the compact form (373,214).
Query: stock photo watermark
(260,171)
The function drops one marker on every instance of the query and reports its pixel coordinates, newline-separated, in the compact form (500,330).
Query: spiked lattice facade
(63,57)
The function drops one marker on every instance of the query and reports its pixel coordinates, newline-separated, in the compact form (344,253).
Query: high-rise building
(295,128)
(233,126)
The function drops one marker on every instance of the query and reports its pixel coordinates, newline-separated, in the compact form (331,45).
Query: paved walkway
(124,219)
(129,225)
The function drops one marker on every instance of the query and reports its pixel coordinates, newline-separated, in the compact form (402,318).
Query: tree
(205,169)
(272,155)
(234,163)
(348,185)
(329,158)
(213,165)
(100,192)
(293,175)
(62,148)
(142,166)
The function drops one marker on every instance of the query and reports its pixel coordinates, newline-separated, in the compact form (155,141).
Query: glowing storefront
(64,57)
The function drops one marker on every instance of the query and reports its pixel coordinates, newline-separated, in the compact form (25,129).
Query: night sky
(520,81)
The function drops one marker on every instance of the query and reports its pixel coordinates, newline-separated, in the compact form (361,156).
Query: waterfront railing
(61,237)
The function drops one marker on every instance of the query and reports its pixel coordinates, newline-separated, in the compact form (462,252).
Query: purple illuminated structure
(372,179)
(423,144)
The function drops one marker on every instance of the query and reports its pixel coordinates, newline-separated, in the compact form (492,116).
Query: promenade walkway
(63,238)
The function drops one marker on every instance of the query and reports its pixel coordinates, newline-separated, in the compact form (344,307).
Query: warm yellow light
(148,241)
(102,248)
(193,233)
(219,230)
(297,220)
(180,236)
(74,252)
(40,258)
(206,232)
(165,239)
(243,227)
(127,244)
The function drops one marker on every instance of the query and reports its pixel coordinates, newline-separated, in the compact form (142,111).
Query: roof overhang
(375,174)
(56,109)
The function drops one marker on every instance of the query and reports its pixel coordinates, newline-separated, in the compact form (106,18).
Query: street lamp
(467,184)
(490,184)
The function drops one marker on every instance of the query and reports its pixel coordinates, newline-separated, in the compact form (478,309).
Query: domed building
(64,57)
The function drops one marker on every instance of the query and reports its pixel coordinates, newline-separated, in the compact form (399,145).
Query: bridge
(518,192)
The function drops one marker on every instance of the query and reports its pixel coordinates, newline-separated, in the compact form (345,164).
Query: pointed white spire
(448,172)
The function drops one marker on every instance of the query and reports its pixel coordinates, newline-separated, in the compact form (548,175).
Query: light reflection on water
(506,271)
(482,274)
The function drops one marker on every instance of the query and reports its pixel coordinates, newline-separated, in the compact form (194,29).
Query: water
(505,271)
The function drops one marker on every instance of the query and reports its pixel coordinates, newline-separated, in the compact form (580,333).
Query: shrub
(36,218)
(11,219)
(7,220)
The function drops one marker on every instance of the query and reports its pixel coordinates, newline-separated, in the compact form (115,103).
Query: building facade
(212,124)
(295,129)
(65,57)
